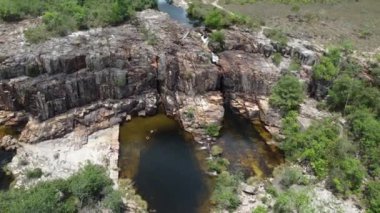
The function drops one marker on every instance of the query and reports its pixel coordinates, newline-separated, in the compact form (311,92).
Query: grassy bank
(62,17)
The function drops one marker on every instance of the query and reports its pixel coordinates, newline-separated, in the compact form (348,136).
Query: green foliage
(325,69)
(212,130)
(347,175)
(328,155)
(37,34)
(312,145)
(218,164)
(270,189)
(44,197)
(190,113)
(34,173)
(216,150)
(89,184)
(217,36)
(277,58)
(260,209)
(353,93)
(277,36)
(292,175)
(217,40)
(63,17)
(113,201)
(287,94)
(15,10)
(216,19)
(293,201)
(225,195)
(372,194)
(295,65)
(365,128)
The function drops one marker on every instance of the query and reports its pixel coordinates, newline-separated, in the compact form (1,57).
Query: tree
(287,94)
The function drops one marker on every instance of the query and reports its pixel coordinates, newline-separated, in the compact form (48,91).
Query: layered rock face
(96,78)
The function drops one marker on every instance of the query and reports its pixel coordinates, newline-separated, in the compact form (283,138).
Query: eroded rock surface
(60,158)
(97,77)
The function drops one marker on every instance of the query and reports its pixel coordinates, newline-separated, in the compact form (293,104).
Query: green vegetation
(34,173)
(62,17)
(87,187)
(277,36)
(225,195)
(372,194)
(216,150)
(295,65)
(190,113)
(260,209)
(287,94)
(212,130)
(217,19)
(293,201)
(291,176)
(218,164)
(277,58)
(325,70)
(217,37)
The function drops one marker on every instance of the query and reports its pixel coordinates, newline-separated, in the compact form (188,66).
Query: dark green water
(167,168)
(245,148)
(164,165)
(5,180)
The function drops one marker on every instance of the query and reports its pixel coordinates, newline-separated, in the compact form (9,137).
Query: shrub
(44,197)
(270,189)
(260,209)
(63,17)
(218,164)
(37,34)
(190,113)
(277,58)
(213,130)
(287,94)
(216,19)
(216,150)
(34,173)
(277,36)
(292,175)
(62,195)
(325,70)
(372,194)
(89,183)
(312,145)
(217,40)
(347,175)
(343,88)
(225,195)
(293,201)
(113,201)
(295,65)
(365,128)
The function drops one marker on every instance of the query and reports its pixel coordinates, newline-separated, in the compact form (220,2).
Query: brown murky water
(245,148)
(168,169)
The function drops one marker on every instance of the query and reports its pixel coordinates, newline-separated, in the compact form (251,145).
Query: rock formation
(97,78)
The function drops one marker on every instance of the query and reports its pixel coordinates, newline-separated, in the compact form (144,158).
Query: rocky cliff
(96,78)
